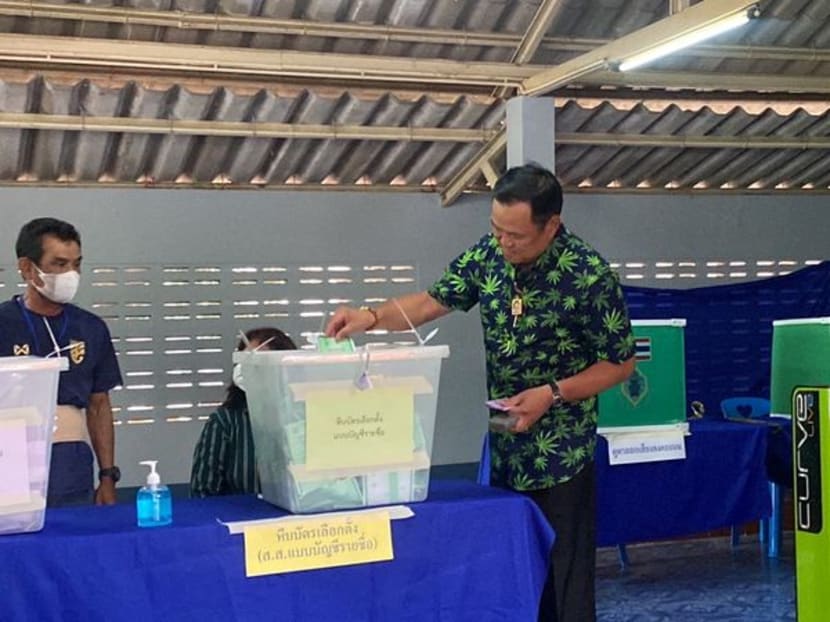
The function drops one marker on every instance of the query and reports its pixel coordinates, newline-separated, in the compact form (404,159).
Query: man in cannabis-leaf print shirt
(556,334)
(573,316)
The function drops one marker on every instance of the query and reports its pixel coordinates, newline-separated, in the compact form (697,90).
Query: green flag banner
(655,394)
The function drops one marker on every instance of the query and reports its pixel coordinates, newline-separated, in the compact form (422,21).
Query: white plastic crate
(327,439)
(28,398)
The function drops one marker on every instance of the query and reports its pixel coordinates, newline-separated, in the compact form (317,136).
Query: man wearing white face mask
(42,322)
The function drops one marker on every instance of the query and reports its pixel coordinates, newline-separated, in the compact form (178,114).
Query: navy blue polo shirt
(93,366)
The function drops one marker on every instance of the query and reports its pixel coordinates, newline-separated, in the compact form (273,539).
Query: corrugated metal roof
(765,141)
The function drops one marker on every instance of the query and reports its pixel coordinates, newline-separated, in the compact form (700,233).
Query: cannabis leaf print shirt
(572,315)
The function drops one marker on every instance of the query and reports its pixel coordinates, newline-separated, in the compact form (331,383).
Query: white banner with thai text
(628,448)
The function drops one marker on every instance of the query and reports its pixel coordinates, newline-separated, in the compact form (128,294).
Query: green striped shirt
(223,461)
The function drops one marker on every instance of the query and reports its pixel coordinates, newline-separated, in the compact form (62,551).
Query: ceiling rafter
(185,20)
(641,40)
(532,38)
(151,58)
(251,129)
(173,127)
(535,33)
(780,83)
(200,59)
(675,141)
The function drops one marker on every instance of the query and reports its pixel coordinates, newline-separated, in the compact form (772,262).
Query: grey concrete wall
(196,227)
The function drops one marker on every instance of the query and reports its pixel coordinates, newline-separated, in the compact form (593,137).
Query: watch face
(558,400)
(113,473)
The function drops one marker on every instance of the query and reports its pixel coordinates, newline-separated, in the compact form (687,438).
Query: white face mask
(60,288)
(237,377)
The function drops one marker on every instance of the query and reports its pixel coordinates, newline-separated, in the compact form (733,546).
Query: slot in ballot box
(340,430)
(28,400)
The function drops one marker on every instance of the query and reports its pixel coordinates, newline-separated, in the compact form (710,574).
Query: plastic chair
(745,408)
(757,410)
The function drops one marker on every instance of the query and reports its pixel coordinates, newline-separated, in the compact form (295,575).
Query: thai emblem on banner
(77,351)
(636,387)
(21,350)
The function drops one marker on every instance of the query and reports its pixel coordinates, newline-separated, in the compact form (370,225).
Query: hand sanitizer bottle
(153,503)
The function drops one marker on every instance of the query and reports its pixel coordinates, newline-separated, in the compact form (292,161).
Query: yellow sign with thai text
(348,428)
(318,542)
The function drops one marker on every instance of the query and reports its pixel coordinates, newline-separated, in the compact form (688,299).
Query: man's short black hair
(533,184)
(30,239)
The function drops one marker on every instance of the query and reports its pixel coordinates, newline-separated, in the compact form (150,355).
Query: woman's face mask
(59,288)
(237,376)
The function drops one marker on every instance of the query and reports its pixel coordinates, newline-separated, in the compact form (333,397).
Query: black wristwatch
(558,400)
(113,472)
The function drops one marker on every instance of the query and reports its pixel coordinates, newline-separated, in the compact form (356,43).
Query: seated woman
(223,461)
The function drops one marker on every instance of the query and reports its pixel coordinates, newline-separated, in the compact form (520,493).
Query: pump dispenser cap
(153,478)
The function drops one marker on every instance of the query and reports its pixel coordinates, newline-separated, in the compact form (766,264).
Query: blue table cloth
(469,553)
(722,482)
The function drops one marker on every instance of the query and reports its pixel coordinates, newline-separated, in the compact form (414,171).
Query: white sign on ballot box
(14,457)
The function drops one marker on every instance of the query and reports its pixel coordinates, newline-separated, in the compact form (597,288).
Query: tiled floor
(697,580)
(693,580)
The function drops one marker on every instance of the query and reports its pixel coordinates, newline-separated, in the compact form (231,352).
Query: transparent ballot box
(28,398)
(343,430)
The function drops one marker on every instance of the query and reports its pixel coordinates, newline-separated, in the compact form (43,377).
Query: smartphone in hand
(497,405)
(503,423)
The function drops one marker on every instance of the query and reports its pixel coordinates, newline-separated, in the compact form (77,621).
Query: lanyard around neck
(28,317)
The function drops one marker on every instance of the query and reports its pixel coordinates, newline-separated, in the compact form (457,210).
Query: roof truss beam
(249,65)
(179,127)
(779,83)
(246,129)
(671,141)
(536,30)
(533,36)
(199,59)
(183,20)
(637,42)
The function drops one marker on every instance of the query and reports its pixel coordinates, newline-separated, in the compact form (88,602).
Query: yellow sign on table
(318,542)
(353,428)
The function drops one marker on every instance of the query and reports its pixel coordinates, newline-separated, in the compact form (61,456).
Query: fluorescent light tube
(687,40)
